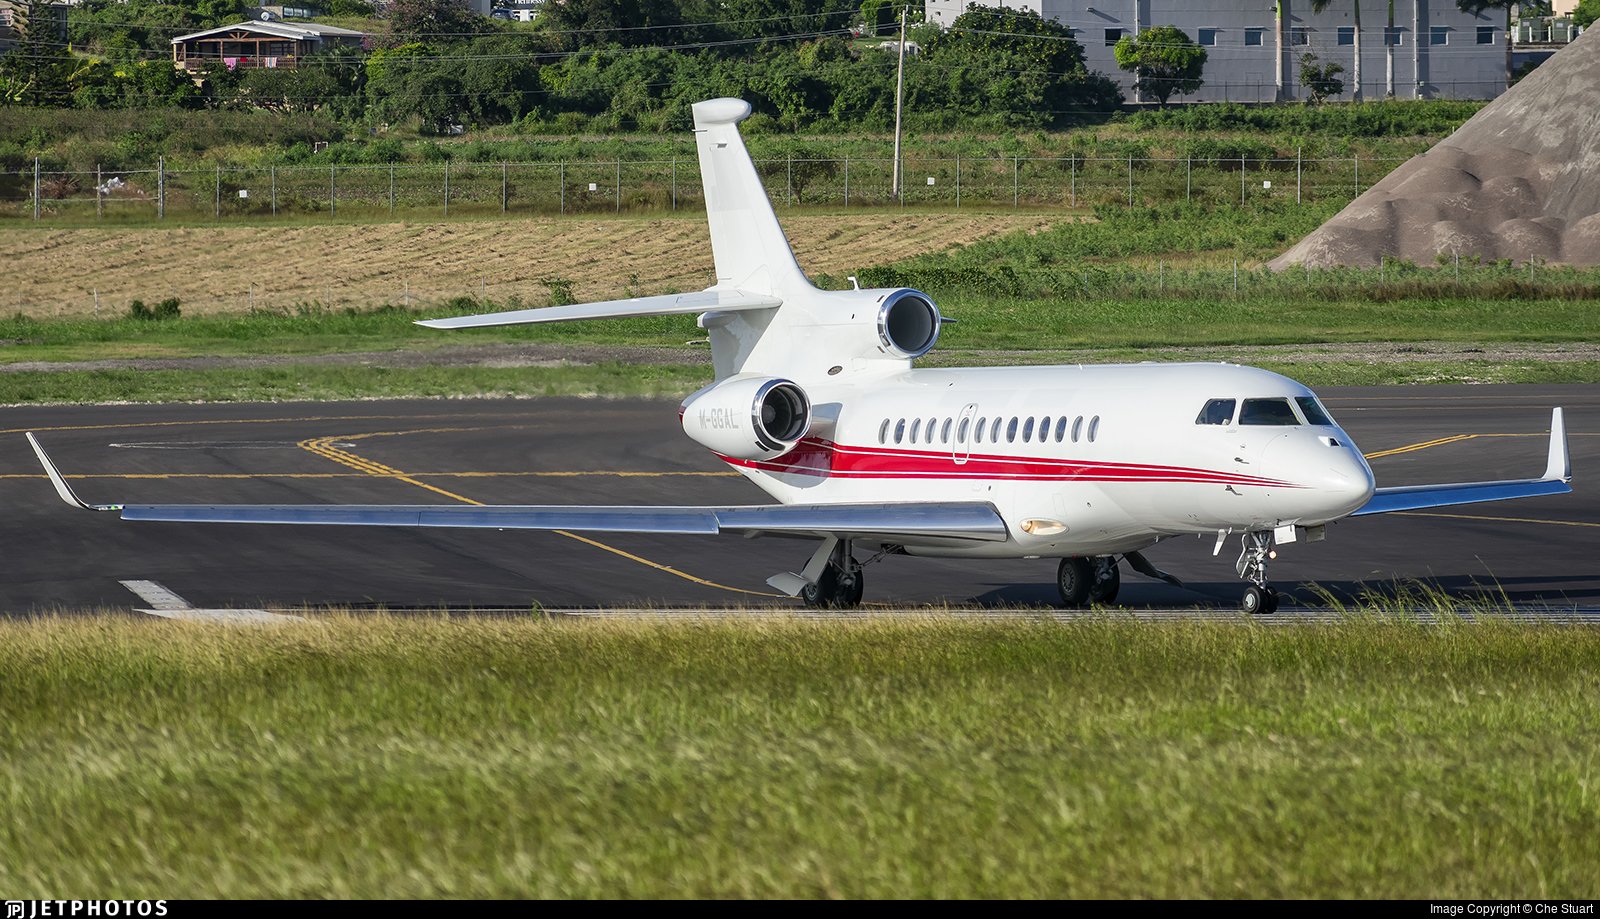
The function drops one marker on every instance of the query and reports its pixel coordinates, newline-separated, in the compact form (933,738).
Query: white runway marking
(168,605)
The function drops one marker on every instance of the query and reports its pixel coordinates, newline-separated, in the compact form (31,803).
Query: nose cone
(1332,476)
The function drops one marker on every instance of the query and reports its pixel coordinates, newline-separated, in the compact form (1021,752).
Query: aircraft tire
(1075,579)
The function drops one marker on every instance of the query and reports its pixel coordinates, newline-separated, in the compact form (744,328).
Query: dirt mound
(1520,180)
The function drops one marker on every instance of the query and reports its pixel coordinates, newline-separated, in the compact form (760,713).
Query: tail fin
(749,247)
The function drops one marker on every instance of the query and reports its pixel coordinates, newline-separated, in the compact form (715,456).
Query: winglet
(60,482)
(1560,464)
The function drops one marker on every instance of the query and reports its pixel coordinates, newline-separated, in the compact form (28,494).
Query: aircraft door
(961,443)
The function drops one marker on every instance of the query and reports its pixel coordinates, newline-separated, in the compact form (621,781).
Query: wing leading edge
(665,305)
(1556,480)
(952,520)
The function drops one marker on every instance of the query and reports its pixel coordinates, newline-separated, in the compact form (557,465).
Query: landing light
(1043,526)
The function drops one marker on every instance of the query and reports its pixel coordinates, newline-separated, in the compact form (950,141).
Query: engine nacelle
(748,417)
(908,323)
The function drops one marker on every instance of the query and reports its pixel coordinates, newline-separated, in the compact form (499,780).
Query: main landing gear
(1088,580)
(841,583)
(1259,598)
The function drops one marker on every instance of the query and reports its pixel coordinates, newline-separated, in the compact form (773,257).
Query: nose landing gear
(1259,598)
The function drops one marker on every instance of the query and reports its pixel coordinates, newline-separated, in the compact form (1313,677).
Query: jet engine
(748,417)
(908,324)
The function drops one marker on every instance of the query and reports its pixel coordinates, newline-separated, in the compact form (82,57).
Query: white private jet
(815,400)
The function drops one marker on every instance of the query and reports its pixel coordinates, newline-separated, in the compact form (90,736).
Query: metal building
(1432,50)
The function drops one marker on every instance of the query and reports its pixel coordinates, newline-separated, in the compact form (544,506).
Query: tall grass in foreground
(415,757)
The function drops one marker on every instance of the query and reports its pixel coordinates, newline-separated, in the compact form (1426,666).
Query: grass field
(481,757)
(57,272)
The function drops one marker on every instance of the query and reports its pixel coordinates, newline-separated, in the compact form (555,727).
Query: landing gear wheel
(1108,580)
(835,588)
(1075,580)
(1259,601)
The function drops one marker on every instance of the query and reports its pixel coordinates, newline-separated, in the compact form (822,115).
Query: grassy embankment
(1129,286)
(423,757)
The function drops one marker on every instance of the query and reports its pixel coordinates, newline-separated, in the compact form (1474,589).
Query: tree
(1321,79)
(1586,13)
(433,20)
(884,15)
(1318,6)
(1009,63)
(586,24)
(1164,60)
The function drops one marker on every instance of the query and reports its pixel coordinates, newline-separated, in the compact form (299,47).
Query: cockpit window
(1217,411)
(1267,411)
(1313,410)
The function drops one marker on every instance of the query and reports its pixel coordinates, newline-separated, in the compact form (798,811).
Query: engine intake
(908,324)
(748,417)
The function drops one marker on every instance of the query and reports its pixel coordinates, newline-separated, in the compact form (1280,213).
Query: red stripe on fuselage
(825,459)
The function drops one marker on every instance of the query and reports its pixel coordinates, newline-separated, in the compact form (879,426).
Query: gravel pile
(1520,180)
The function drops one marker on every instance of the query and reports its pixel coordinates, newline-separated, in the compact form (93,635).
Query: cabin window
(944,433)
(1217,411)
(978,431)
(916,425)
(899,430)
(1267,411)
(1313,410)
(1011,430)
(994,431)
(883,432)
(1094,428)
(961,431)
(1027,430)
(1044,429)
(1077,428)
(932,430)
(1061,429)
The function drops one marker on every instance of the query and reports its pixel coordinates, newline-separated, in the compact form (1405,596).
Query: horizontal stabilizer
(1555,481)
(665,305)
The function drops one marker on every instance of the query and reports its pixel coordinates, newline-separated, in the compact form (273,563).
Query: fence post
(790,198)
(1016,165)
(333,191)
(447,188)
(1130,181)
(1188,179)
(563,182)
(1073,161)
(99,199)
(619,184)
(1241,204)
(1356,161)
(36,188)
(272,171)
(958,181)
(216,212)
(847,180)
(674,183)
(1297,154)
(161,188)
(391,188)
(504,189)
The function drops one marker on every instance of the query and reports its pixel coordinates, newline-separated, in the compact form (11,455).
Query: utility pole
(899,98)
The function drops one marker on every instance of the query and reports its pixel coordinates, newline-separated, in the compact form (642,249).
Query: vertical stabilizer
(751,252)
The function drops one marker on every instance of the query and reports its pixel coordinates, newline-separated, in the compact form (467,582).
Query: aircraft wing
(1555,481)
(666,305)
(953,520)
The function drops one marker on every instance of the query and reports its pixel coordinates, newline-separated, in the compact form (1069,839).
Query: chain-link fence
(241,193)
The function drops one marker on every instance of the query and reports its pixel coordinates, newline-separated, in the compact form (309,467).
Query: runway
(1539,553)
